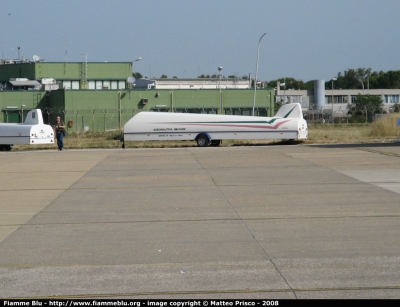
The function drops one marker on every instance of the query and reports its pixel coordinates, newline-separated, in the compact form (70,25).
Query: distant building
(195,83)
(317,104)
(68,75)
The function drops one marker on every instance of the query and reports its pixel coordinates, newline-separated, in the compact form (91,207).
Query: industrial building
(99,96)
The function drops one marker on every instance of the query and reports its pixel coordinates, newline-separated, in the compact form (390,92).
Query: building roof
(25,83)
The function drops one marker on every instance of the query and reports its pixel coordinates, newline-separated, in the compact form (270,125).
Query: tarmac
(242,222)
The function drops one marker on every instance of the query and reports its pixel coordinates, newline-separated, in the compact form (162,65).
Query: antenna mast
(66,56)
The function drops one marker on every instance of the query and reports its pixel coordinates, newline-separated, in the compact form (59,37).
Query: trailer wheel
(215,142)
(202,140)
(7,147)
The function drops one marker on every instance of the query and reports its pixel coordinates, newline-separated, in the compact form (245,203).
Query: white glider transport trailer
(210,129)
(32,132)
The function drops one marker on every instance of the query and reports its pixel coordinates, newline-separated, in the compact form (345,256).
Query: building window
(283,99)
(164,109)
(392,98)
(106,85)
(196,110)
(121,85)
(296,99)
(246,111)
(67,85)
(342,99)
(75,85)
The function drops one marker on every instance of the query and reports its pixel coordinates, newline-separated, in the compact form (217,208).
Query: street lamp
(220,93)
(255,80)
(362,83)
(22,112)
(138,59)
(284,91)
(333,80)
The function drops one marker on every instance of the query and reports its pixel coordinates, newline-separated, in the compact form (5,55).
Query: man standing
(60,131)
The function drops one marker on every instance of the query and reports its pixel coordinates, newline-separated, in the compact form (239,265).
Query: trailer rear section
(32,132)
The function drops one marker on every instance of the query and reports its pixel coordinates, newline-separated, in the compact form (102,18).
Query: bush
(386,126)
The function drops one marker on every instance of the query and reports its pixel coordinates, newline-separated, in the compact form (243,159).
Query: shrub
(386,126)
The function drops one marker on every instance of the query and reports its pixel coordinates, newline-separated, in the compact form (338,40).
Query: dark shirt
(57,126)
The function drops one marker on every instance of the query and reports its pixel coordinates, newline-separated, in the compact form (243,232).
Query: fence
(90,120)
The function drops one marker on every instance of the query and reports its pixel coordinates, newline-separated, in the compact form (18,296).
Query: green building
(97,96)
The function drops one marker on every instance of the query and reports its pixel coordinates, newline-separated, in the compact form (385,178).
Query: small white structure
(32,132)
(49,84)
(210,129)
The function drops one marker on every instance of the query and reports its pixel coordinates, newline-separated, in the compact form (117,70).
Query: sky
(305,39)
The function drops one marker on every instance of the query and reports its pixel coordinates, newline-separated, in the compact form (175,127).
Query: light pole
(333,80)
(255,80)
(284,91)
(362,83)
(22,113)
(138,59)
(220,93)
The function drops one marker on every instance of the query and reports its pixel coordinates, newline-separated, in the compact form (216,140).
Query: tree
(346,81)
(164,76)
(365,105)
(137,75)
(309,86)
(362,75)
(395,108)
(391,79)
(360,78)
(290,83)
(277,106)
(365,77)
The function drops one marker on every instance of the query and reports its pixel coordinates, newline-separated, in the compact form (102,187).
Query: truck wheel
(7,147)
(202,140)
(215,142)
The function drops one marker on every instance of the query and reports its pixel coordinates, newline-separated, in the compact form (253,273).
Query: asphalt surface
(260,222)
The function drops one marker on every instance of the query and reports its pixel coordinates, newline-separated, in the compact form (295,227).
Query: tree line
(352,79)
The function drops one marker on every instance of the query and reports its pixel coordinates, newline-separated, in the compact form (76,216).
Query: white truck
(210,129)
(32,132)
